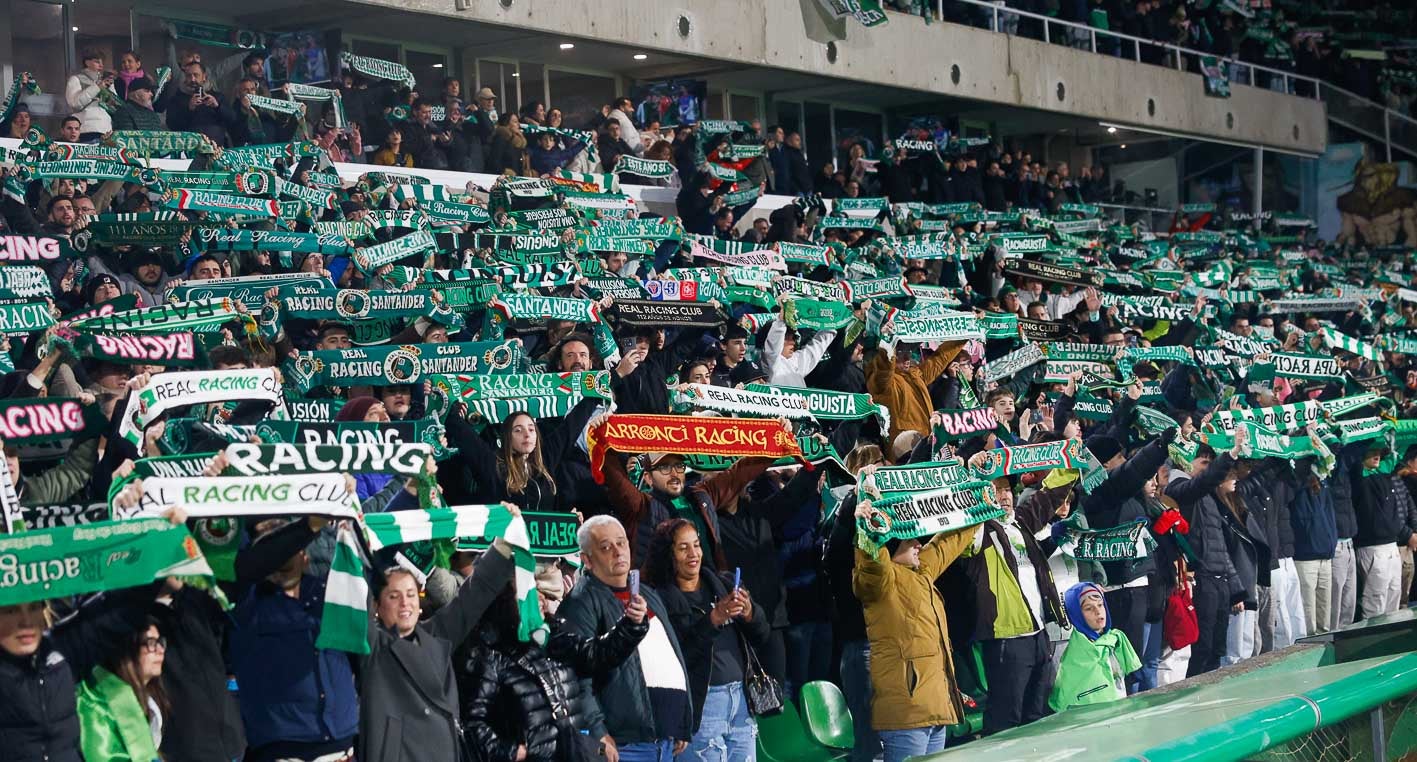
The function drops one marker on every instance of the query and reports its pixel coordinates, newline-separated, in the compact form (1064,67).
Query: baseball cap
(649,460)
(142,83)
(485,93)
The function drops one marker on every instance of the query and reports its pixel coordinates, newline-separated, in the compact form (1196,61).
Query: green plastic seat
(783,738)
(826,715)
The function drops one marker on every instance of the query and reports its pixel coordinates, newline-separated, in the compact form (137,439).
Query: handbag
(762,691)
(1179,626)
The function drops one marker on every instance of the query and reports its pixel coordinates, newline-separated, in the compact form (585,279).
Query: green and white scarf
(109,555)
(200,316)
(276,105)
(1128,542)
(1022,459)
(344,620)
(408,364)
(471,521)
(918,477)
(655,170)
(1336,340)
(909,515)
(169,390)
(378,68)
(826,405)
(728,400)
(316,494)
(371,258)
(20,318)
(349,305)
(249,290)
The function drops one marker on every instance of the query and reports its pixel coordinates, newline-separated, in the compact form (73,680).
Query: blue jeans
(1150,656)
(809,655)
(901,744)
(856,684)
(658,751)
(727,732)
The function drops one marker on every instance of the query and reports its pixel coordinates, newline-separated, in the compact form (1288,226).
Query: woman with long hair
(515,471)
(392,153)
(713,624)
(121,705)
(521,704)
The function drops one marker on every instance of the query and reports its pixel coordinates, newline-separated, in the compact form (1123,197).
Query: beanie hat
(355,409)
(1104,447)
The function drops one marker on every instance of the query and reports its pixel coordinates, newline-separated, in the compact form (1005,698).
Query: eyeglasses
(153,645)
(670,468)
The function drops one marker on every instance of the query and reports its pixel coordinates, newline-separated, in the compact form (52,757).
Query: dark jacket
(749,543)
(1195,498)
(1258,492)
(38,720)
(409,697)
(839,561)
(505,699)
(1380,506)
(204,722)
(1311,515)
(490,474)
(131,116)
(697,634)
(1347,460)
(1031,516)
(781,172)
(799,172)
(1249,554)
(592,610)
(291,692)
(211,121)
(1115,502)
(641,512)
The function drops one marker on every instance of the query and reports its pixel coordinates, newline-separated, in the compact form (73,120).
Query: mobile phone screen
(634,582)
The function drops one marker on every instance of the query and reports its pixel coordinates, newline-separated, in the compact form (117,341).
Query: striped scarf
(488,521)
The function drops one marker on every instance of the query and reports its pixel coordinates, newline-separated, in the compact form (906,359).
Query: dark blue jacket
(290,691)
(1315,533)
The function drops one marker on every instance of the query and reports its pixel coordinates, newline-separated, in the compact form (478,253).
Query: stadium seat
(826,715)
(784,737)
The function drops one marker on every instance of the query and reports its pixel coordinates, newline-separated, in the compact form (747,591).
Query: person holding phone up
(718,627)
(84,93)
(645,700)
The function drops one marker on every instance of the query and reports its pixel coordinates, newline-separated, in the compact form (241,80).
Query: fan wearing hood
(1098,659)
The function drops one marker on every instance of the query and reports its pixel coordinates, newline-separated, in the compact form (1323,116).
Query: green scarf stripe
(109,555)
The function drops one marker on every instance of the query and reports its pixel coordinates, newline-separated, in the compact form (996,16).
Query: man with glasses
(669,496)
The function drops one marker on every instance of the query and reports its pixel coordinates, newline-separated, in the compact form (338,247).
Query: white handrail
(998,9)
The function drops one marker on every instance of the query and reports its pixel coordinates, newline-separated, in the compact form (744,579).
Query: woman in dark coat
(523,704)
(712,623)
(409,698)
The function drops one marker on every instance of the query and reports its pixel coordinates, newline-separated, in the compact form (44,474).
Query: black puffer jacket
(505,700)
(1268,491)
(1116,501)
(38,718)
(1341,485)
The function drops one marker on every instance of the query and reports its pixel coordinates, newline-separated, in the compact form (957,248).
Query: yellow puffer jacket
(912,668)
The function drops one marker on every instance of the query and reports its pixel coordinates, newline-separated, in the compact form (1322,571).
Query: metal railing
(1003,18)
(1392,129)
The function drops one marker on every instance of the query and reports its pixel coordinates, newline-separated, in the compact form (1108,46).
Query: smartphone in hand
(634,582)
(737,577)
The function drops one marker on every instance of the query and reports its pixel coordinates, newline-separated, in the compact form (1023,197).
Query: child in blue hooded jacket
(1098,658)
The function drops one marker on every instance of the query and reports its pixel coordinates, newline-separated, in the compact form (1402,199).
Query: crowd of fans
(697,578)
(1349,44)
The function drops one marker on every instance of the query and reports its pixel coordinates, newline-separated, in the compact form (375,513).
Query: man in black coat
(646,699)
(1217,588)
(799,172)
